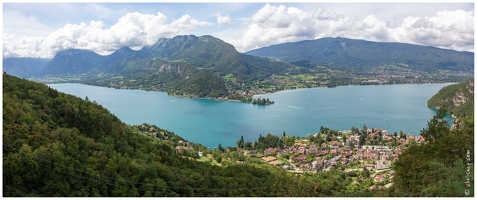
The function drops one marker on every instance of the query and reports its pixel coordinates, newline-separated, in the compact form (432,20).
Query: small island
(262,101)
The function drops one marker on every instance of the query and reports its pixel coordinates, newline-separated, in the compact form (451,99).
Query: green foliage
(435,167)
(458,99)
(262,101)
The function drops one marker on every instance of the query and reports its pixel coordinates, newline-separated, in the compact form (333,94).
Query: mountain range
(361,54)
(209,67)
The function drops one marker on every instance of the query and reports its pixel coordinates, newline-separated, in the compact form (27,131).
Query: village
(369,153)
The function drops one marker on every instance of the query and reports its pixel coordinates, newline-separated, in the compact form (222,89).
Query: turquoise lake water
(297,112)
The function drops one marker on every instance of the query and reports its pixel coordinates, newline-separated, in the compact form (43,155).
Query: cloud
(17,23)
(133,30)
(223,20)
(451,29)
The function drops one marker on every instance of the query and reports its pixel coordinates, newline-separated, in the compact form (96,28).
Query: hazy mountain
(360,54)
(75,61)
(24,67)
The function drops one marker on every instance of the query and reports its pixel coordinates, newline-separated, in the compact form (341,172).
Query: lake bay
(297,112)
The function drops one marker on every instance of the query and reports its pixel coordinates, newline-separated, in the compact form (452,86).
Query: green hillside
(458,99)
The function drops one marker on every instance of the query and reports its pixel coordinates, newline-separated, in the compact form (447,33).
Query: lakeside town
(366,153)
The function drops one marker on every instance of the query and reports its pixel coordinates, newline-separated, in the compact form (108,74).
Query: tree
(239,144)
(220,148)
(344,139)
(361,141)
(311,139)
(436,127)
(365,172)
(328,138)
(365,128)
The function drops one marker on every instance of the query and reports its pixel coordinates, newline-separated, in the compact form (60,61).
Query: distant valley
(207,67)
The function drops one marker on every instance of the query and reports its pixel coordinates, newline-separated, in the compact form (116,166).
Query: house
(391,172)
(421,139)
(344,160)
(322,153)
(287,167)
(349,154)
(323,146)
(379,178)
(369,166)
(299,144)
(295,159)
(313,151)
(335,145)
(269,151)
(252,152)
(339,151)
(385,156)
(333,151)
(285,151)
(319,163)
(301,150)
(179,149)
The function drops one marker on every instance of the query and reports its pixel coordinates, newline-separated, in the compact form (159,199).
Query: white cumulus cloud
(133,29)
(223,20)
(451,29)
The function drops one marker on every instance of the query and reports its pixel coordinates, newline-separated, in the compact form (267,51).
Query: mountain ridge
(330,50)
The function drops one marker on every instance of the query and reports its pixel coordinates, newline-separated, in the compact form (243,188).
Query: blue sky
(43,29)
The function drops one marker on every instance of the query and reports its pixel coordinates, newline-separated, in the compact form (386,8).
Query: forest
(458,99)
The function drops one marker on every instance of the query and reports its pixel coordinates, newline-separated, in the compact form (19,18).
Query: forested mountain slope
(458,99)
(346,53)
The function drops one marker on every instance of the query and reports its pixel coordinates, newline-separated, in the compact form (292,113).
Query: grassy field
(207,158)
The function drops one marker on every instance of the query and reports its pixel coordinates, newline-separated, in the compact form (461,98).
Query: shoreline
(240,101)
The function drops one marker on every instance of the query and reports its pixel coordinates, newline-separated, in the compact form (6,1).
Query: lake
(297,112)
